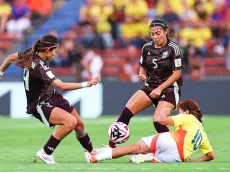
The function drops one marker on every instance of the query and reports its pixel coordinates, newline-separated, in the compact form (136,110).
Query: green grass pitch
(20,139)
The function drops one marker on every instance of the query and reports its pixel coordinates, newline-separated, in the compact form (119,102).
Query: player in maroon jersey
(43,101)
(161,66)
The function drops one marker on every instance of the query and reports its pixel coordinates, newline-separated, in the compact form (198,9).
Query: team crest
(165,55)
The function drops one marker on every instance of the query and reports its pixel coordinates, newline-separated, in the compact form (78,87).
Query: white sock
(105,155)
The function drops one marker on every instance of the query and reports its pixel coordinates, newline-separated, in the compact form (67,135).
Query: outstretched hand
(94,81)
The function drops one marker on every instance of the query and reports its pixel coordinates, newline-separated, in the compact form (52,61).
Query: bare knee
(140,147)
(70,124)
(136,148)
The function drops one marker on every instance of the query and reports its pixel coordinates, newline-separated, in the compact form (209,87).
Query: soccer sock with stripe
(51,145)
(85,142)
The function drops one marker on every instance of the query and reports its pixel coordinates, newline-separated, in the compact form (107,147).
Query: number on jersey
(26,79)
(197,140)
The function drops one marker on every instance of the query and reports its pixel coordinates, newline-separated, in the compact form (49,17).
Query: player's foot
(48,159)
(96,151)
(90,158)
(141,158)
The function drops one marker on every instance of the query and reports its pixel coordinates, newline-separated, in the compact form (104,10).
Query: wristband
(1,73)
(84,84)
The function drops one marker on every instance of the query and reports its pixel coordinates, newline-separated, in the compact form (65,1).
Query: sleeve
(46,74)
(205,147)
(180,119)
(142,61)
(177,59)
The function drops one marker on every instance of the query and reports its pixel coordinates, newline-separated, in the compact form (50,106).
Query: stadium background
(105,37)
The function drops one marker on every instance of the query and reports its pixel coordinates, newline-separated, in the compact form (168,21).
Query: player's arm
(174,77)
(142,74)
(73,86)
(207,157)
(7,62)
(165,118)
(177,66)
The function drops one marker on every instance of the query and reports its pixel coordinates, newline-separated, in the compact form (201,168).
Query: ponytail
(26,58)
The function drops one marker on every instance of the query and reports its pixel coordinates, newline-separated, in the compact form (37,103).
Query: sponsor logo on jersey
(165,55)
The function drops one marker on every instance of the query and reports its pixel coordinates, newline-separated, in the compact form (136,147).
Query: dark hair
(159,22)
(192,107)
(47,42)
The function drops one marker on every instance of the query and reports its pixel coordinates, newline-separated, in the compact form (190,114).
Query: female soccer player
(43,101)
(161,64)
(173,146)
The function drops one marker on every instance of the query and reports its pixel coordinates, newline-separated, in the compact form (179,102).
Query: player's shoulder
(147,44)
(42,65)
(174,46)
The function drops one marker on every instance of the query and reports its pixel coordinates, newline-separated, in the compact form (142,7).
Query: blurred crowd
(201,27)
(17,16)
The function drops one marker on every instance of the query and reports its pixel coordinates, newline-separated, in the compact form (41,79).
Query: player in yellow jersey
(173,146)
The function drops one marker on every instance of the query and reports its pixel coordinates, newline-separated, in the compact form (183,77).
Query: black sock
(51,145)
(86,143)
(125,117)
(160,128)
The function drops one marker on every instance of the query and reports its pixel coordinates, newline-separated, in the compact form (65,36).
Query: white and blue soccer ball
(118,132)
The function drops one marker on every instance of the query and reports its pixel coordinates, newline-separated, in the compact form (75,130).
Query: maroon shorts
(44,109)
(171,97)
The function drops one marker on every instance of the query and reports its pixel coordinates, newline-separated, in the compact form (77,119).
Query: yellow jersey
(190,135)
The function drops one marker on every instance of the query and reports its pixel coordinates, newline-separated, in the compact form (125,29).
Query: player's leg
(138,102)
(67,124)
(81,133)
(107,154)
(158,112)
(169,100)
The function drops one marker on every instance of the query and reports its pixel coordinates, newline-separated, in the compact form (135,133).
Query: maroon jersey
(160,64)
(37,82)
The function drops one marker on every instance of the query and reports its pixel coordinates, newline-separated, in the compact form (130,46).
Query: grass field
(20,139)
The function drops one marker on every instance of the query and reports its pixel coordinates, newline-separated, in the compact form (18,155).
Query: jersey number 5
(26,79)
(155,63)
(197,140)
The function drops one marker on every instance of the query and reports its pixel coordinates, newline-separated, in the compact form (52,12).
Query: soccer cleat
(96,151)
(48,159)
(141,158)
(90,158)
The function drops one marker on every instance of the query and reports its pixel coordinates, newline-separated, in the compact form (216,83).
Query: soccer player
(172,146)
(161,66)
(43,101)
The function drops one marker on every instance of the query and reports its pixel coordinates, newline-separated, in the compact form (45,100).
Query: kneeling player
(174,146)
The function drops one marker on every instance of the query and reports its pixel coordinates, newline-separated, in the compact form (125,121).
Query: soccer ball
(118,132)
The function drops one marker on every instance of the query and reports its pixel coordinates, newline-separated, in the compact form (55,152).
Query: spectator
(20,20)
(92,64)
(40,10)
(5,12)
(129,65)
